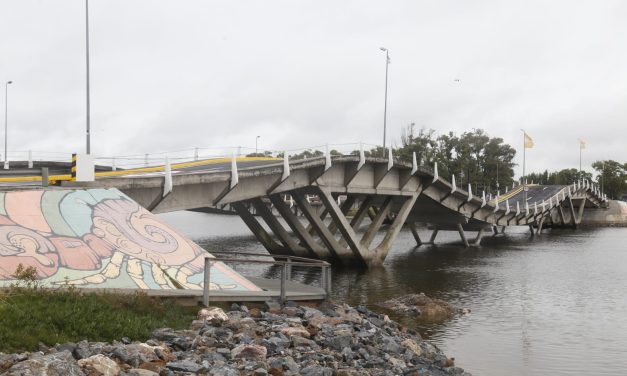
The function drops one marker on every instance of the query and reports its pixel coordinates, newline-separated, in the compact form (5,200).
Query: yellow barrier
(513,193)
(133,171)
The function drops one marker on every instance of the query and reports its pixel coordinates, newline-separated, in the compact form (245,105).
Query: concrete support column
(560,212)
(571,209)
(315,250)
(359,216)
(377,221)
(325,234)
(383,248)
(540,225)
(477,241)
(433,235)
(260,233)
(361,212)
(346,206)
(277,228)
(462,235)
(581,208)
(414,232)
(341,223)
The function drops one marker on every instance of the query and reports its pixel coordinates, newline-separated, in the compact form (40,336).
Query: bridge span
(390,193)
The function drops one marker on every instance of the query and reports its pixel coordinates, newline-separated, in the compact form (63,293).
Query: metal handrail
(287,257)
(286,270)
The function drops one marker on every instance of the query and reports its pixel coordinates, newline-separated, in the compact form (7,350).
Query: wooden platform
(271,290)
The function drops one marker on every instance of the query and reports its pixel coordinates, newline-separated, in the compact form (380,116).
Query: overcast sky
(170,75)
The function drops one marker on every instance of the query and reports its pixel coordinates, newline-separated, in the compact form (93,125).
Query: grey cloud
(170,75)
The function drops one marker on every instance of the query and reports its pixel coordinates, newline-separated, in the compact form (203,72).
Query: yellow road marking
(513,193)
(133,171)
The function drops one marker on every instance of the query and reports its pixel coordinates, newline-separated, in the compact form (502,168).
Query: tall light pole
(6,117)
(602,174)
(385,103)
(497,175)
(88,148)
(582,145)
(256,145)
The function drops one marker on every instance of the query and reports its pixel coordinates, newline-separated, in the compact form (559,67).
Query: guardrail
(285,262)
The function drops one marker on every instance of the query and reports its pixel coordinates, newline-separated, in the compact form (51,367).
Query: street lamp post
(497,175)
(256,145)
(88,142)
(6,118)
(385,103)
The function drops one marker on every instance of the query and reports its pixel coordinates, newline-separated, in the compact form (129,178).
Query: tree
(612,177)
(307,154)
(563,177)
(474,157)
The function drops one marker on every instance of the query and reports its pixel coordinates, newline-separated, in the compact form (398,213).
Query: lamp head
(383,48)
(9,82)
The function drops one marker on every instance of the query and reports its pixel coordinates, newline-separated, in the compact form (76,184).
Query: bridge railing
(155,162)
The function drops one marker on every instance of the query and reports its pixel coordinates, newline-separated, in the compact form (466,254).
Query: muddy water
(552,305)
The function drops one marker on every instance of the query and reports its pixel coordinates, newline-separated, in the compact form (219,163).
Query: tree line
(611,177)
(484,162)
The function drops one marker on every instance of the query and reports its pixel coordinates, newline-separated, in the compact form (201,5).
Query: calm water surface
(552,305)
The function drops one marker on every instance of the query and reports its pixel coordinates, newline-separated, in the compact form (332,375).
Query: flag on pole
(582,144)
(528,141)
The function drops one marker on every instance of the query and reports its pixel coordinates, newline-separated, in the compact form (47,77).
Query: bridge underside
(389,194)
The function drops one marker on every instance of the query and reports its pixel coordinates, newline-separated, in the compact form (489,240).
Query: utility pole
(385,103)
(88,141)
(497,174)
(6,119)
(527,143)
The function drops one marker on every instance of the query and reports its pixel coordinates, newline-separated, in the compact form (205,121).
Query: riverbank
(30,316)
(331,339)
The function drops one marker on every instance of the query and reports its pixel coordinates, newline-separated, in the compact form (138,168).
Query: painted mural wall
(100,238)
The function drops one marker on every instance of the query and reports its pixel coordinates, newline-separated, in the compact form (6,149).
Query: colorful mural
(100,238)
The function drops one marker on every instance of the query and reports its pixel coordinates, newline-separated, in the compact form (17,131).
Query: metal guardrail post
(289,268)
(45,175)
(328,283)
(207,282)
(283,276)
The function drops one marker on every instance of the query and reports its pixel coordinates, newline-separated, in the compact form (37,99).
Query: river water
(555,304)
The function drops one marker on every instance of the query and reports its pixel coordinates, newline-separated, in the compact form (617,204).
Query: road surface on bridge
(200,166)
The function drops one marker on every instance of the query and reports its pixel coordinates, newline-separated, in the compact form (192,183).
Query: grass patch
(30,315)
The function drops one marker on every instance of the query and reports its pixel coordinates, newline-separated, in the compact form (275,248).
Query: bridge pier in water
(334,238)
(410,197)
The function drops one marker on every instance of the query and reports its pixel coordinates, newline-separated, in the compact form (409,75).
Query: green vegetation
(562,177)
(611,176)
(30,314)
(473,157)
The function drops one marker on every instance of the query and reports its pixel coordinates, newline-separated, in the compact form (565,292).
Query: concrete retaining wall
(614,215)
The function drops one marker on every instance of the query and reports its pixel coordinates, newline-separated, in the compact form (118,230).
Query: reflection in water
(550,305)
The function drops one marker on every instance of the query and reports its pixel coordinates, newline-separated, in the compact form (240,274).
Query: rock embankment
(428,309)
(292,340)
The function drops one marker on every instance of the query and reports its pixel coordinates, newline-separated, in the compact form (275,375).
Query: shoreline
(331,339)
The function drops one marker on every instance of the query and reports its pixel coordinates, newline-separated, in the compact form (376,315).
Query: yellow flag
(528,141)
(582,144)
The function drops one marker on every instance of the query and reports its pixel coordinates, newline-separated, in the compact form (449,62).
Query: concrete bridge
(400,193)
